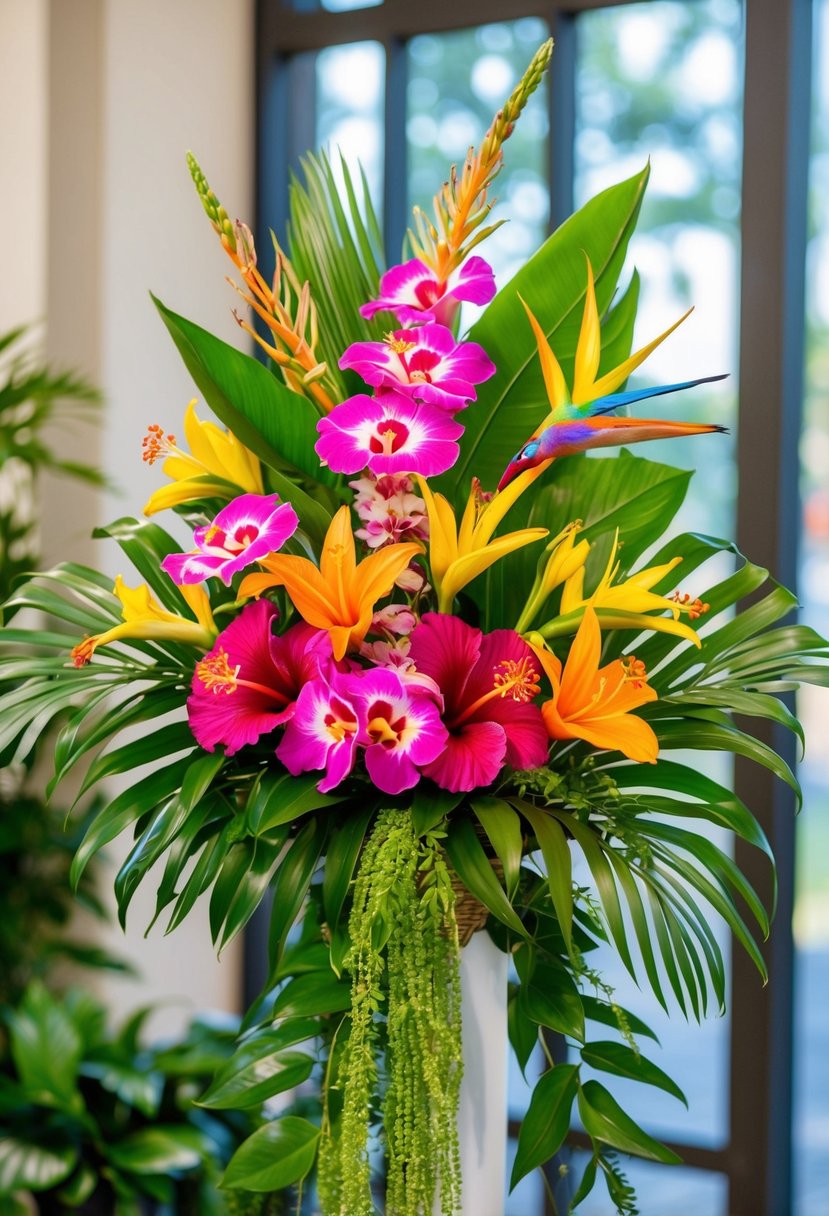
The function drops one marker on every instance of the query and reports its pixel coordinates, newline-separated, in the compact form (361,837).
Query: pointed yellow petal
(554,381)
(497,508)
(610,382)
(654,574)
(443,532)
(378,572)
(588,350)
(631,736)
(189,490)
(470,566)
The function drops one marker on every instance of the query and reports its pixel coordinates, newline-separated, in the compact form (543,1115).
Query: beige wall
(100,101)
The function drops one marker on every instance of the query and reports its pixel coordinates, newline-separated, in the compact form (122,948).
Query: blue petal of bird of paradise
(604,405)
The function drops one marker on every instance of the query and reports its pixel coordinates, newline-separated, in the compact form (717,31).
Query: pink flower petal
(246,530)
(472,758)
(389,435)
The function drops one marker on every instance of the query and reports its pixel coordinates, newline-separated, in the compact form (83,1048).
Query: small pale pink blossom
(397,619)
(425,364)
(246,530)
(412,580)
(389,510)
(388,434)
(413,293)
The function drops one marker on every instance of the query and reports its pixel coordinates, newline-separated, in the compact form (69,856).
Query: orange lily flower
(594,703)
(339,595)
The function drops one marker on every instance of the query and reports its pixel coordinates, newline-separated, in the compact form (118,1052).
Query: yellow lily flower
(339,595)
(594,703)
(457,555)
(625,605)
(217,465)
(144,618)
(566,557)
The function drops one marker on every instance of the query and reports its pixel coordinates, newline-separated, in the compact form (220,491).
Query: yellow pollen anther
(399,345)
(210,533)
(388,437)
(216,673)
(635,671)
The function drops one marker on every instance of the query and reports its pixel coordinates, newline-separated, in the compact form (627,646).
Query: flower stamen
(695,608)
(156,444)
(635,671)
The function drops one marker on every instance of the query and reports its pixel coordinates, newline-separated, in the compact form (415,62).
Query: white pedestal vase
(482,1118)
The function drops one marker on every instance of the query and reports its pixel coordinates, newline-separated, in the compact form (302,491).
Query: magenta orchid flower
(322,734)
(400,728)
(487,682)
(247,685)
(415,295)
(388,434)
(246,530)
(425,364)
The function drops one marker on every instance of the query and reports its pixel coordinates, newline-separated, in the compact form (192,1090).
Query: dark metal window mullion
(775,174)
(396,168)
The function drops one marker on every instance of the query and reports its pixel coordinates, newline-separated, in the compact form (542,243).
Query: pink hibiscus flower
(413,292)
(247,685)
(388,434)
(487,681)
(246,530)
(425,364)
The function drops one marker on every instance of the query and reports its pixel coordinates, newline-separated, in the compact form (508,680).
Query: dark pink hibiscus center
(390,436)
(428,292)
(421,366)
(383,727)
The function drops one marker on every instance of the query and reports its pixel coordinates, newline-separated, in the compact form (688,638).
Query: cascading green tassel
(405,991)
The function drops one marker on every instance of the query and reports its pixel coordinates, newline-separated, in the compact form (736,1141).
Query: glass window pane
(811,922)
(457,81)
(661,81)
(350,98)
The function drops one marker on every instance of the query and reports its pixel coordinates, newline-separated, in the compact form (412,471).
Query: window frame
(757,1158)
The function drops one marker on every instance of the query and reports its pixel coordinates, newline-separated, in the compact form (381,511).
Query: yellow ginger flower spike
(144,618)
(217,465)
(461,205)
(284,305)
(594,703)
(458,555)
(339,595)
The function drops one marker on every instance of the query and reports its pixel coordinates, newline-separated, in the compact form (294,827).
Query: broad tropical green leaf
(553,283)
(274,1157)
(291,883)
(279,798)
(159,1150)
(606,1122)
(340,860)
(622,1061)
(308,996)
(474,868)
(259,1066)
(503,828)
(46,1048)
(31,1167)
(259,411)
(556,853)
(547,1121)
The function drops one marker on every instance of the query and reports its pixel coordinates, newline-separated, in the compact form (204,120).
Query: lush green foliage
(237,827)
(87,1117)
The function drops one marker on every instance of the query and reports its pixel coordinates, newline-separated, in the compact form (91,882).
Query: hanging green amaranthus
(405,994)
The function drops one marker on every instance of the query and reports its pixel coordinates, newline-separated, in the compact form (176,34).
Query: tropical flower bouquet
(412,664)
